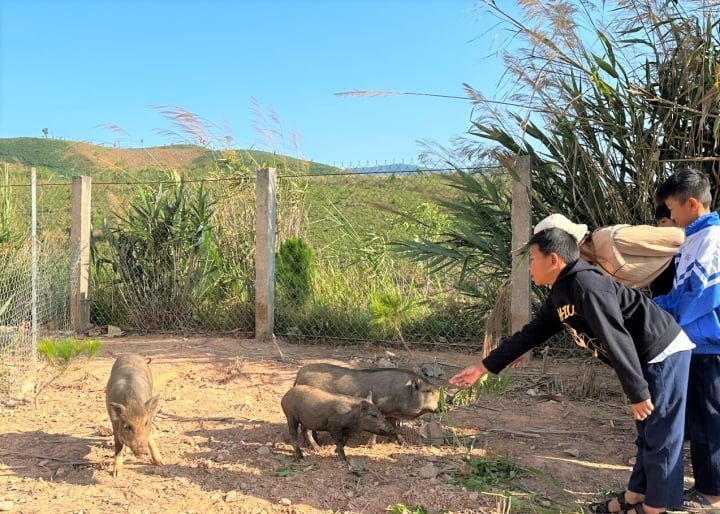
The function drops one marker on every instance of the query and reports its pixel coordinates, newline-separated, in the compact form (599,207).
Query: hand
(641,410)
(468,376)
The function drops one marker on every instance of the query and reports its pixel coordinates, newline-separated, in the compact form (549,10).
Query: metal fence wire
(339,276)
(35,282)
(178,255)
(174,256)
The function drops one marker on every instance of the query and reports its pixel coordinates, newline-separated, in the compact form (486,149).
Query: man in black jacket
(625,329)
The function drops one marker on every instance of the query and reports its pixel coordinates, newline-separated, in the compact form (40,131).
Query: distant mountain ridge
(68,158)
(384,168)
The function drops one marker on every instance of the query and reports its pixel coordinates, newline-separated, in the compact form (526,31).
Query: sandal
(636,509)
(693,501)
(603,507)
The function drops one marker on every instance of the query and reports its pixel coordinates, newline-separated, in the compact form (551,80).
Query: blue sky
(78,67)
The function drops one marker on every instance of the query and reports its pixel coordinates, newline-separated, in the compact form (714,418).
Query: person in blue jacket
(694,302)
(648,350)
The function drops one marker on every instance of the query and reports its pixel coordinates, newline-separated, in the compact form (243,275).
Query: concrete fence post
(80,254)
(521,215)
(265,229)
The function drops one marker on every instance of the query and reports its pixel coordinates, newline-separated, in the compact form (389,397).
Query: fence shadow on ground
(50,456)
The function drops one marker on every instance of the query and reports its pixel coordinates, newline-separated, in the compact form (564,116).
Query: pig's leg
(340,437)
(154,451)
(311,436)
(293,428)
(118,460)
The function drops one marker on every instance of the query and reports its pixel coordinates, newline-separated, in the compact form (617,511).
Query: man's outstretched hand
(468,376)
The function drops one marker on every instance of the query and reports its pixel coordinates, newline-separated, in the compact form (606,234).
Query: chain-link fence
(35,277)
(178,255)
(339,277)
(174,255)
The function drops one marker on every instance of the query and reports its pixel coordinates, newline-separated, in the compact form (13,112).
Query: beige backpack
(633,255)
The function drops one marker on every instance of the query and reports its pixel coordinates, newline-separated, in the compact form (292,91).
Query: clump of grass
(400,508)
(286,471)
(481,473)
(61,354)
(488,384)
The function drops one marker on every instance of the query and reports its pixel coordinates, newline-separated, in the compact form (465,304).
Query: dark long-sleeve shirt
(617,324)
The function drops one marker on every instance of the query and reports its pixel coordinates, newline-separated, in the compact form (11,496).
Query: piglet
(132,407)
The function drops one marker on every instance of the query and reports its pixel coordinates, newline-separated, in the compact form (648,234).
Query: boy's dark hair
(556,240)
(683,184)
(662,211)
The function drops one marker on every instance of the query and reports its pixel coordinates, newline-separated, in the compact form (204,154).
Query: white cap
(577,230)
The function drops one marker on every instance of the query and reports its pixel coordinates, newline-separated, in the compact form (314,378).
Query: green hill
(67,158)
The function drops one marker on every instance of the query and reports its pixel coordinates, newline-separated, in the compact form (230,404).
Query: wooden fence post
(80,254)
(521,215)
(265,226)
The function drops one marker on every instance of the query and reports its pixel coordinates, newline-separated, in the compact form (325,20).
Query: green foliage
(400,508)
(5,207)
(61,353)
(51,154)
(143,276)
(286,471)
(294,267)
(487,384)
(476,245)
(482,473)
(390,310)
(606,105)
(162,255)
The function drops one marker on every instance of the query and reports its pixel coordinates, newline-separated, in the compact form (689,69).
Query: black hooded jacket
(617,324)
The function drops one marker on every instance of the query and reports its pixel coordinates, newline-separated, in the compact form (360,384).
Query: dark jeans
(703,422)
(659,467)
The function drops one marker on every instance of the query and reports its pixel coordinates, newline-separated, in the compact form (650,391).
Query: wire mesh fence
(35,279)
(339,277)
(174,255)
(178,255)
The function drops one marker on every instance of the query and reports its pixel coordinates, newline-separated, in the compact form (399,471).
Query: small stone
(231,496)
(114,331)
(285,501)
(433,430)
(572,451)
(357,464)
(263,450)
(428,471)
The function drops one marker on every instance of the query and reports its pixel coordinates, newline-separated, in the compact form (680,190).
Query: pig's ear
(152,404)
(117,410)
(414,383)
(369,397)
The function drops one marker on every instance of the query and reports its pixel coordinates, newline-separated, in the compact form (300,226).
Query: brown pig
(132,407)
(338,414)
(400,394)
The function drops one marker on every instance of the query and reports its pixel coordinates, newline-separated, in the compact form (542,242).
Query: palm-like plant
(162,256)
(604,110)
(609,108)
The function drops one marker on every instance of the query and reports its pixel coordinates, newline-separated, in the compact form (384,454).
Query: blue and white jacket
(694,300)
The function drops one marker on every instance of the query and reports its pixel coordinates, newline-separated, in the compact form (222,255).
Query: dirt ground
(225,440)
